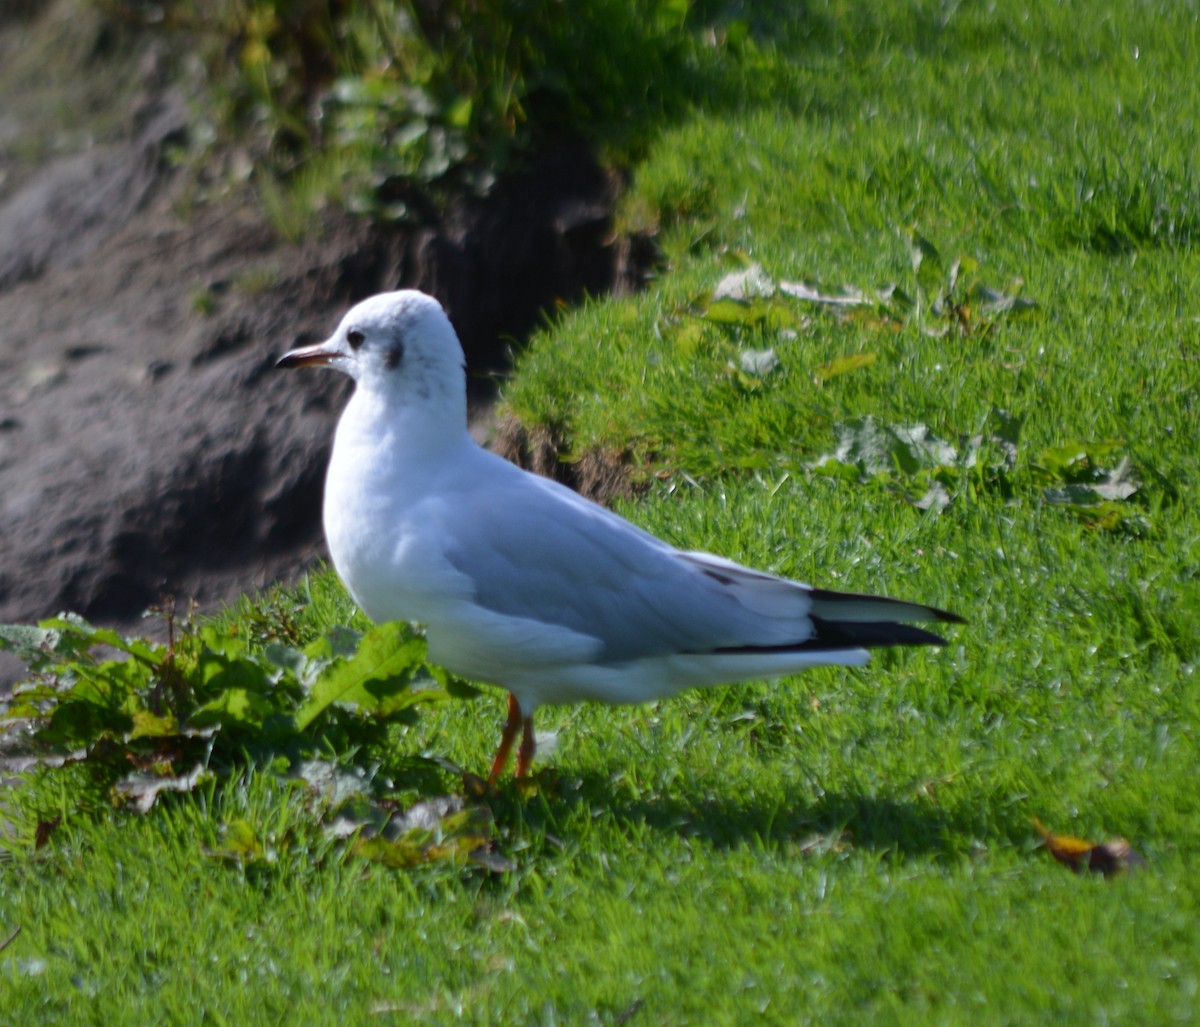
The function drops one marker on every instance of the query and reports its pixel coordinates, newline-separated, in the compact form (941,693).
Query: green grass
(851,846)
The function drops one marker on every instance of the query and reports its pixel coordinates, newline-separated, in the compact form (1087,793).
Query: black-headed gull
(521,582)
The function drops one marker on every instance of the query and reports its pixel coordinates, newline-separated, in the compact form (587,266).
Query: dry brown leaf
(1105,858)
(45,828)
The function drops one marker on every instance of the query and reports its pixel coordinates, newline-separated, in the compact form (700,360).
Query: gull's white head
(399,343)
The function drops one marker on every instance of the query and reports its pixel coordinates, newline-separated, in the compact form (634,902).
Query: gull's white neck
(412,423)
(388,452)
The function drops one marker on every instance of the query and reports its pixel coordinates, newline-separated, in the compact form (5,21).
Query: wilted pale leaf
(759,362)
(333,783)
(749,283)
(814,292)
(936,498)
(20,763)
(141,789)
(993,301)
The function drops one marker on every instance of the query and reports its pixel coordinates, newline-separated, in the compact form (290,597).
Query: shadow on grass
(896,827)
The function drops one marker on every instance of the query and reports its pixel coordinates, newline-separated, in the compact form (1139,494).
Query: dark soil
(146,446)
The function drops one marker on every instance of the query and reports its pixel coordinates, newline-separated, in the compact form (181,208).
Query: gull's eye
(354,338)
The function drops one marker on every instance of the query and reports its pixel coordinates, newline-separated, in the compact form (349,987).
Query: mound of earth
(147,447)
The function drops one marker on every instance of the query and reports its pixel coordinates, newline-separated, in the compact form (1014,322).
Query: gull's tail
(846,620)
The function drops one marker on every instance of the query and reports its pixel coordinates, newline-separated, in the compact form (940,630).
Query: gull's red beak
(309,356)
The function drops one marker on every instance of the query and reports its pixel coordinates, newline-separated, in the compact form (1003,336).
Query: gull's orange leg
(525,753)
(508,736)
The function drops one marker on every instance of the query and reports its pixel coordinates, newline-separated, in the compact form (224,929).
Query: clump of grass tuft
(852,845)
(387,106)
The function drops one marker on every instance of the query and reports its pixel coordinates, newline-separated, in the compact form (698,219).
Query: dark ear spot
(394,356)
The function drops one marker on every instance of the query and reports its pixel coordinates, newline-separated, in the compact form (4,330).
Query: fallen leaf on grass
(994,301)
(442,828)
(1080,483)
(748,283)
(45,828)
(759,362)
(870,447)
(820,843)
(846,296)
(843,365)
(141,789)
(10,939)
(1106,858)
(240,843)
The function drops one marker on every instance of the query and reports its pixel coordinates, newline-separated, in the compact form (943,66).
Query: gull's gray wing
(533,549)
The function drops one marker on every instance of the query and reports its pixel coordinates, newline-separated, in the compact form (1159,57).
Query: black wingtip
(833,636)
(834,602)
(946,615)
(868,635)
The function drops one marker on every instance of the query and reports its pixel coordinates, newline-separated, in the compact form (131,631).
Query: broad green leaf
(374,678)
(1057,458)
(150,725)
(927,266)
(73,626)
(1075,494)
(689,338)
(234,708)
(240,843)
(1068,458)
(876,448)
(454,687)
(671,14)
(735,312)
(338,643)
(77,724)
(285,659)
(831,467)
(458,114)
(1003,430)
(844,365)
(222,642)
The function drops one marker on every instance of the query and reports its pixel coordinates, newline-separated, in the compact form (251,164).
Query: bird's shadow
(566,809)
